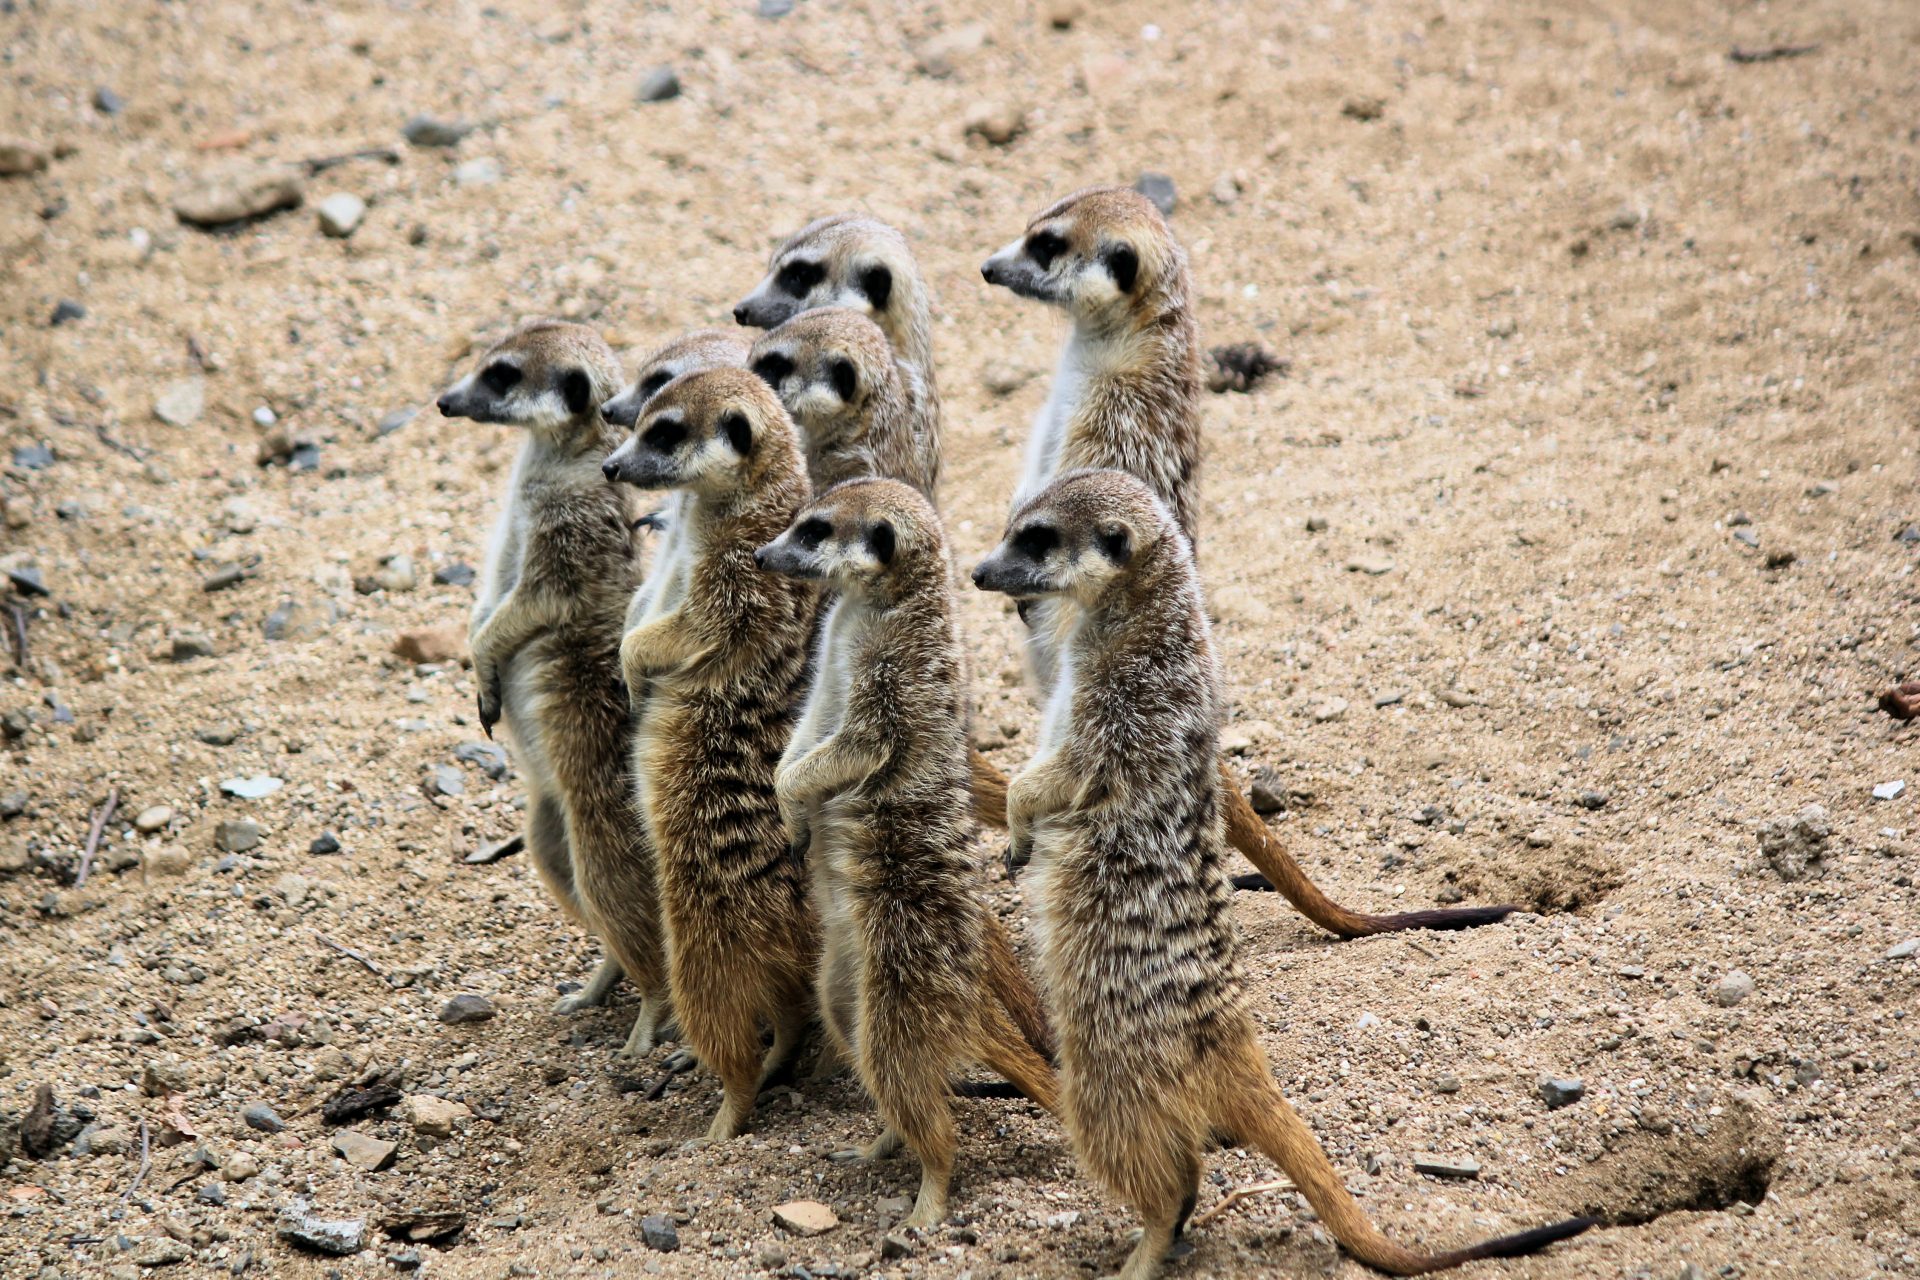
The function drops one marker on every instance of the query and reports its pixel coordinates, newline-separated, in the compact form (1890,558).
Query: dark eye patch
(880,542)
(1035,541)
(811,532)
(845,379)
(799,278)
(577,390)
(500,377)
(665,436)
(877,283)
(738,430)
(773,368)
(1044,246)
(651,384)
(1123,264)
(1116,544)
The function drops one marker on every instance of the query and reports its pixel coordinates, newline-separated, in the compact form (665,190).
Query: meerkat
(721,650)
(546,634)
(850,260)
(874,784)
(701,349)
(834,371)
(1126,395)
(1120,809)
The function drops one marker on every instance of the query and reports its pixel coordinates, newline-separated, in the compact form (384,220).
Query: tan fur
(721,650)
(850,260)
(1119,808)
(811,361)
(913,964)
(546,633)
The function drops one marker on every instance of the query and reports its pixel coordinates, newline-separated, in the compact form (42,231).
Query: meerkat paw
(487,703)
(887,1144)
(642,1039)
(726,1124)
(927,1214)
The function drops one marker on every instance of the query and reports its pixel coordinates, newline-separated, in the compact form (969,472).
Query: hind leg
(605,978)
(1163,1215)
(789,1035)
(911,1096)
(837,993)
(552,855)
(655,1013)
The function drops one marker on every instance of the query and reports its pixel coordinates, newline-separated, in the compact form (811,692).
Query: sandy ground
(1603,356)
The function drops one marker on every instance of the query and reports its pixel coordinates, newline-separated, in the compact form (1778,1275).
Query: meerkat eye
(500,377)
(1035,541)
(576,389)
(877,284)
(665,435)
(799,278)
(1123,264)
(738,430)
(773,368)
(651,384)
(811,532)
(880,542)
(845,380)
(1044,246)
(1116,544)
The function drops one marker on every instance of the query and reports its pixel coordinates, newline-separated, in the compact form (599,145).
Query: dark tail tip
(986,1089)
(1440,918)
(1524,1242)
(1253,882)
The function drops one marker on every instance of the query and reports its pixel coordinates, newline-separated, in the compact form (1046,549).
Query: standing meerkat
(721,650)
(701,349)
(546,637)
(916,975)
(1126,395)
(834,371)
(1119,807)
(850,260)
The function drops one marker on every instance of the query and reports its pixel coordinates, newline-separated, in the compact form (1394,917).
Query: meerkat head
(861,536)
(545,374)
(701,349)
(826,366)
(711,431)
(847,260)
(1075,538)
(1104,254)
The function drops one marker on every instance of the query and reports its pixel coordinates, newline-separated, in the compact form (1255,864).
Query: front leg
(802,784)
(667,644)
(520,615)
(1045,787)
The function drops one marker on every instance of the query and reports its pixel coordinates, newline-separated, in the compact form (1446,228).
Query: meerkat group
(749,771)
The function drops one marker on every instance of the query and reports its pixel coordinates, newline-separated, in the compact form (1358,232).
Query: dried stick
(1236,1195)
(351,954)
(146,1152)
(101,817)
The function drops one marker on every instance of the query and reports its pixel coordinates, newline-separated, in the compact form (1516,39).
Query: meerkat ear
(845,380)
(1123,264)
(576,389)
(880,541)
(877,283)
(738,430)
(1116,544)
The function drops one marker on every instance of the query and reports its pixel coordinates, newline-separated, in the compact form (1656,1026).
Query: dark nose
(441,405)
(740,314)
(980,576)
(760,558)
(610,469)
(987,272)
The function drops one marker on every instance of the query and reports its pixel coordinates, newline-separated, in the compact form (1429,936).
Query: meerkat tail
(1005,1049)
(1278,870)
(1264,1119)
(1008,983)
(989,791)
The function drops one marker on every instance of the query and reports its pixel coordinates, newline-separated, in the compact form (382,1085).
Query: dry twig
(101,818)
(146,1153)
(351,954)
(1238,1194)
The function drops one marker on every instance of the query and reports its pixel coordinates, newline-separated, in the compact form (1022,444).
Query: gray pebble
(1593,800)
(181,402)
(483,171)
(189,645)
(212,1193)
(1158,188)
(218,735)
(27,581)
(1734,987)
(1746,537)
(340,214)
(226,576)
(466,1008)
(33,457)
(454,575)
(236,835)
(300,1227)
(657,1230)
(428,131)
(490,757)
(393,420)
(1266,792)
(775,8)
(1558,1092)
(658,85)
(1438,1166)
(65,311)
(1901,950)
(324,843)
(13,804)
(262,1117)
(107,102)
(446,780)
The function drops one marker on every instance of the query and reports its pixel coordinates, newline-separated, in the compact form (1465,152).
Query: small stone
(218,735)
(33,457)
(161,1253)
(1316,524)
(428,131)
(211,1193)
(658,1233)
(1225,189)
(110,1141)
(396,574)
(236,195)
(1796,847)
(18,157)
(430,644)
(153,818)
(257,787)
(27,581)
(323,844)
(454,575)
(107,102)
(181,402)
(1062,14)
(264,416)
(997,123)
(894,1246)
(189,645)
(805,1217)
(466,1008)
(490,757)
(1446,1084)
(446,780)
(775,8)
(1889,790)
(239,1167)
(394,419)
(1389,698)
(1592,800)
(1003,378)
(1901,950)
(340,1237)
(238,515)
(659,85)
(227,576)
(260,1116)
(1539,838)
(772,1257)
(300,620)
(1781,559)
(162,1076)
(1266,792)
(1733,987)
(66,311)
(364,1151)
(1373,565)
(13,803)
(1159,190)
(1327,710)
(341,213)
(1746,537)
(483,171)
(1558,1092)
(940,56)
(1364,107)
(1438,1166)
(434,1117)
(236,835)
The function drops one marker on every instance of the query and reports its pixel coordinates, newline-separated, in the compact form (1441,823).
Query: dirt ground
(1605,382)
